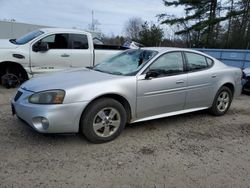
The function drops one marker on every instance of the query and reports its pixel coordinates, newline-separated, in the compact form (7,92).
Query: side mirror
(151,74)
(40,47)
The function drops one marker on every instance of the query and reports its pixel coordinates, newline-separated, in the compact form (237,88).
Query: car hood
(6,44)
(66,80)
(247,71)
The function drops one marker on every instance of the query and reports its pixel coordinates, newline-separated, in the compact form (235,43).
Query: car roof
(168,49)
(56,29)
(246,70)
(162,50)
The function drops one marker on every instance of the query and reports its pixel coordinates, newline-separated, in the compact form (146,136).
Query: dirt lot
(192,150)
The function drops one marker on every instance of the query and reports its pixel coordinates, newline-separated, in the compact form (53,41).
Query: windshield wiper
(99,70)
(116,73)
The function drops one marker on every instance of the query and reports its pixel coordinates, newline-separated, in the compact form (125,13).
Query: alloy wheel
(223,101)
(106,122)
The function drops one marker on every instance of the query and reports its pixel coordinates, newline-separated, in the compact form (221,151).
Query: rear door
(200,80)
(81,54)
(166,92)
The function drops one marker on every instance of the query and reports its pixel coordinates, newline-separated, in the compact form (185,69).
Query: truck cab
(47,50)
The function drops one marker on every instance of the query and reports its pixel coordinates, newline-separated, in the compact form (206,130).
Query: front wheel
(103,120)
(222,101)
(10,80)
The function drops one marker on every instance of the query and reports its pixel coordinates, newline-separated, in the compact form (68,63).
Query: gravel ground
(191,150)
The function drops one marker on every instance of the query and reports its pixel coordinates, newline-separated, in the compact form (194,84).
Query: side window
(49,39)
(209,62)
(57,41)
(79,41)
(168,64)
(195,61)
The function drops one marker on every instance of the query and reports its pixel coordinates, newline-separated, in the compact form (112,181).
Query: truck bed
(109,47)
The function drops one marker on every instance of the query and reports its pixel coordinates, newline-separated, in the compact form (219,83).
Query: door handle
(65,55)
(214,75)
(180,82)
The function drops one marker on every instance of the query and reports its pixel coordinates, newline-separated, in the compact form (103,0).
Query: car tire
(222,101)
(103,120)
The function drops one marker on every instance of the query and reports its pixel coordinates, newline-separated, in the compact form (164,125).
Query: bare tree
(133,27)
(93,27)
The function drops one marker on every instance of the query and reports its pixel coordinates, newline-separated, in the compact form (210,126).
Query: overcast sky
(111,14)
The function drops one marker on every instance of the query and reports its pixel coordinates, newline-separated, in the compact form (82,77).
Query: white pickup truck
(47,50)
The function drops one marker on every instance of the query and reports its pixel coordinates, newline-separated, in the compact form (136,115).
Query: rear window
(196,61)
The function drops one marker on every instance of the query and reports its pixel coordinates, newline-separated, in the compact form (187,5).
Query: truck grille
(18,95)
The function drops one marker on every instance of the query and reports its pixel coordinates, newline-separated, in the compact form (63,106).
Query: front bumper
(246,85)
(59,118)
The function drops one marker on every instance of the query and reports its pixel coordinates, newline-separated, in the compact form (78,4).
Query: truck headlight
(48,97)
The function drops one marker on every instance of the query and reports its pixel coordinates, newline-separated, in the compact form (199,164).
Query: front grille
(18,95)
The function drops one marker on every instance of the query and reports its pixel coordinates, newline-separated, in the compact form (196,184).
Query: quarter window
(168,64)
(79,41)
(209,62)
(195,61)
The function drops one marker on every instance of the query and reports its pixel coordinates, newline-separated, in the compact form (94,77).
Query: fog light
(45,123)
(41,123)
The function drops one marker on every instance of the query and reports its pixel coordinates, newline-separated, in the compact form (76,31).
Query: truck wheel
(103,120)
(222,101)
(9,80)
(12,74)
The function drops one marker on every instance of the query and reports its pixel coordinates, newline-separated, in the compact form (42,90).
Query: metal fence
(236,58)
(10,29)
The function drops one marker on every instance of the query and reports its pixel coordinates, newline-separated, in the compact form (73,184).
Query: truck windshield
(26,38)
(126,63)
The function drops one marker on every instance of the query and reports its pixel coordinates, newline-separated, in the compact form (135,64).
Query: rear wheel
(103,120)
(222,101)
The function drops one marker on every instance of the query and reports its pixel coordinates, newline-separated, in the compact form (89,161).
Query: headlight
(48,97)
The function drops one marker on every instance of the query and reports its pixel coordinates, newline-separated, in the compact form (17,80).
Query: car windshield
(26,38)
(126,63)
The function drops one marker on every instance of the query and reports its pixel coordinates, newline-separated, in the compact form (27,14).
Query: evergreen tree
(212,23)
(199,22)
(151,35)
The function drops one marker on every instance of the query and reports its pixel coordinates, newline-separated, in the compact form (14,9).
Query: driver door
(166,91)
(57,58)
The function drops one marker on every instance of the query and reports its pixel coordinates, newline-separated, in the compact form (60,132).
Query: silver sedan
(135,85)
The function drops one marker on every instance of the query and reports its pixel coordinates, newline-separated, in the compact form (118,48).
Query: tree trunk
(229,25)
(212,16)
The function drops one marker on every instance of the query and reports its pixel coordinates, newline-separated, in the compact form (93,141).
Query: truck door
(81,53)
(56,58)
